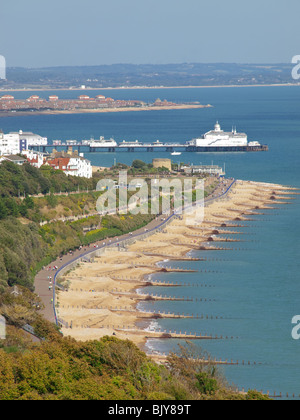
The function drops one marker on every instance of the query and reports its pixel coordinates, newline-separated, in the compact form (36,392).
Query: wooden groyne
(218,239)
(189,245)
(140,314)
(160,315)
(214,248)
(148,283)
(154,315)
(163,359)
(151,297)
(176,284)
(165,269)
(201,247)
(217,231)
(172,257)
(224,225)
(165,335)
(211,238)
(148,297)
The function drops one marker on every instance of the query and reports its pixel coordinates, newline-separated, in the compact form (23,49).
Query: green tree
(138,164)
(29,203)
(52,200)
(3,210)
(12,207)
(206,383)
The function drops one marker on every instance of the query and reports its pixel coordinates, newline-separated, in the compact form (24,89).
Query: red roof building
(72,165)
(7,98)
(59,163)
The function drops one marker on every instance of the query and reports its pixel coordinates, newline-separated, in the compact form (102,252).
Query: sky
(43,33)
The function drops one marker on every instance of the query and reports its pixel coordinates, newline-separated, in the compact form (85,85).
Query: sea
(250,293)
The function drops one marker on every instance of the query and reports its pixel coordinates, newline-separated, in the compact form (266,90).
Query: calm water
(256,288)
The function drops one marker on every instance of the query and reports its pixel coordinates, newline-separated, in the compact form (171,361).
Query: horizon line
(153,64)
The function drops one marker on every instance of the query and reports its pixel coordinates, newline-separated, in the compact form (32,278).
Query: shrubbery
(108,369)
(17,183)
(23,180)
(20,248)
(25,248)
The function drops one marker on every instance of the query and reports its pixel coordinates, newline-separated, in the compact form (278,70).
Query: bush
(206,383)
(138,164)
(108,369)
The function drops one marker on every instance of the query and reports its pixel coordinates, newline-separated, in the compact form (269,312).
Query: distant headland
(83,104)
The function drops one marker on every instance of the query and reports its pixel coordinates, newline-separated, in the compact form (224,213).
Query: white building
(204,169)
(16,142)
(79,166)
(31,138)
(9,144)
(72,165)
(36,159)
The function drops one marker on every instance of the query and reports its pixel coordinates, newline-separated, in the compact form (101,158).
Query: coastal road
(44,285)
(44,282)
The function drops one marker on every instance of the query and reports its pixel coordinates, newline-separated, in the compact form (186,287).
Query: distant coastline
(146,87)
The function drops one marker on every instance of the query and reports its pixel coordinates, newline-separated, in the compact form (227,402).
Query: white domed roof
(217,126)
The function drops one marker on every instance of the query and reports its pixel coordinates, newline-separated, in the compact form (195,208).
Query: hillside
(25,245)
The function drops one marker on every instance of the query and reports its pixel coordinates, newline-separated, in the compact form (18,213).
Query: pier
(125,146)
(143,147)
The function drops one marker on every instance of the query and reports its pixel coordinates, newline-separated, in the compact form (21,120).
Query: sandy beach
(102,110)
(101,297)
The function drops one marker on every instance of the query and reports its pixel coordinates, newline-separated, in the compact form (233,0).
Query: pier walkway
(148,147)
